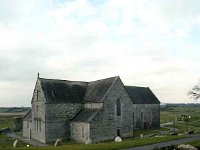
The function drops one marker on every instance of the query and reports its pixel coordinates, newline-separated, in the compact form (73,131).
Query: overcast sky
(154,43)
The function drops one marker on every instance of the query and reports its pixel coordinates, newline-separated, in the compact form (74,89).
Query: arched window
(118,107)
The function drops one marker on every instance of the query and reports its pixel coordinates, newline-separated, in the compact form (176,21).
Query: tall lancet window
(118,107)
(37,94)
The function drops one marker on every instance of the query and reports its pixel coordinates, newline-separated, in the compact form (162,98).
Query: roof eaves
(45,94)
(155,96)
(27,114)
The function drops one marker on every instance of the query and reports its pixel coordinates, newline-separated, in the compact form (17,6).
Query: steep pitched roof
(85,115)
(63,90)
(28,116)
(97,90)
(142,95)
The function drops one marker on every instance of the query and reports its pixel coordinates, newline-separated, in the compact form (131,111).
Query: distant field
(7,114)
(3,115)
(172,113)
(13,109)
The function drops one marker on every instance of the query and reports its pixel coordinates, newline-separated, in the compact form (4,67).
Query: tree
(195,92)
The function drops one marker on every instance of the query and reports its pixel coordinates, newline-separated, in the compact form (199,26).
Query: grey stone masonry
(57,120)
(89,112)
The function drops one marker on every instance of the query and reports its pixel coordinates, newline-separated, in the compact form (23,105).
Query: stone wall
(57,120)
(35,128)
(80,132)
(146,116)
(17,124)
(26,128)
(105,125)
(38,114)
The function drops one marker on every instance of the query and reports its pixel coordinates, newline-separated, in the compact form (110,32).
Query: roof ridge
(62,80)
(110,87)
(136,86)
(103,79)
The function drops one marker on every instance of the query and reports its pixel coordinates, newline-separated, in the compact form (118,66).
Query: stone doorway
(118,133)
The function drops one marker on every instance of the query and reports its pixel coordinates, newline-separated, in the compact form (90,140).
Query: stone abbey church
(88,112)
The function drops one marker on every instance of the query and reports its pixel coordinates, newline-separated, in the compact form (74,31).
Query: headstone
(58,142)
(118,139)
(190,147)
(88,141)
(141,136)
(186,147)
(15,144)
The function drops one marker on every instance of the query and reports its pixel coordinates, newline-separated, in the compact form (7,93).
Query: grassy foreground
(100,146)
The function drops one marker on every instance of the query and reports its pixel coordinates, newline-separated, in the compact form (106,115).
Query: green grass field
(169,115)
(107,145)
(173,113)
(6,119)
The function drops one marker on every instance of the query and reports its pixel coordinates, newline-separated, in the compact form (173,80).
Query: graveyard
(173,119)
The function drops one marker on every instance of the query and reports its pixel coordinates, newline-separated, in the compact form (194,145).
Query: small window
(83,132)
(141,115)
(118,107)
(35,123)
(40,124)
(133,119)
(37,95)
(27,125)
(37,108)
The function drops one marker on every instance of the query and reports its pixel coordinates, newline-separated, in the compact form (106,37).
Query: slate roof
(63,90)
(28,116)
(97,90)
(142,95)
(86,115)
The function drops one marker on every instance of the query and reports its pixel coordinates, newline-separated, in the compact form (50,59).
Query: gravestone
(88,141)
(58,142)
(118,139)
(141,136)
(186,147)
(15,143)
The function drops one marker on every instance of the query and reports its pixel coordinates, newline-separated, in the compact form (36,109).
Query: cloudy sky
(146,42)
